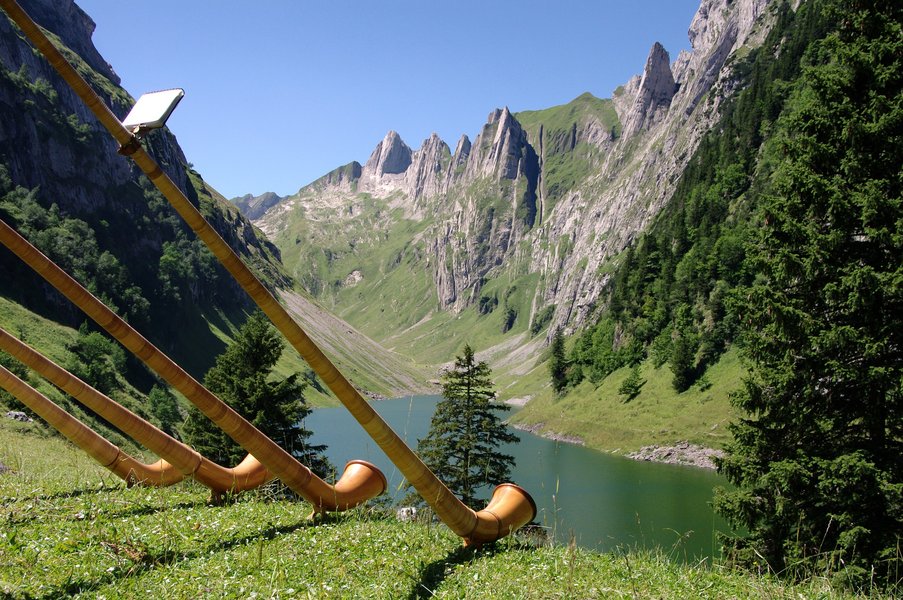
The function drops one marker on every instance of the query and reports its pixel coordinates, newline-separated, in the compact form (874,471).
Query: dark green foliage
(462,446)
(558,364)
(488,304)
(542,319)
(630,387)
(510,318)
(72,244)
(669,296)
(683,361)
(162,404)
(819,461)
(96,359)
(241,378)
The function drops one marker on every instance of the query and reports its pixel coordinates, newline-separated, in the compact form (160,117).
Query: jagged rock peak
(253,206)
(655,91)
(658,81)
(462,150)
(391,156)
(432,142)
(424,175)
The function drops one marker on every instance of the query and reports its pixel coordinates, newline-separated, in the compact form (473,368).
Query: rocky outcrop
(499,150)
(253,207)
(426,176)
(655,90)
(391,157)
(681,453)
(555,199)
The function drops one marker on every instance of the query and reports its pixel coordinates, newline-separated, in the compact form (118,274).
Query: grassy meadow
(70,529)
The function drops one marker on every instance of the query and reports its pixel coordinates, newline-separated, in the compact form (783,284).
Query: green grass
(658,415)
(72,530)
(48,337)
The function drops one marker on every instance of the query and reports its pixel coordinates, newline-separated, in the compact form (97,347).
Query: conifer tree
(241,377)
(462,446)
(558,363)
(819,461)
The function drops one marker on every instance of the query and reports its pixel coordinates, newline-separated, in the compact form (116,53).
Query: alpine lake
(600,501)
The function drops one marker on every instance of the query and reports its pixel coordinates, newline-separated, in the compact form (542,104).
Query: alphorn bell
(360,480)
(510,507)
(178,458)
(107,454)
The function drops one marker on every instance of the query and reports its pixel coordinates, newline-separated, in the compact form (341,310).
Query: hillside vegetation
(71,530)
(669,303)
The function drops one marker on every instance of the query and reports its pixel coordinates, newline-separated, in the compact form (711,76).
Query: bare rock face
(498,151)
(426,174)
(391,157)
(74,27)
(498,206)
(656,89)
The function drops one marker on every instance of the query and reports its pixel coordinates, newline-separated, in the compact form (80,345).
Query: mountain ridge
(534,194)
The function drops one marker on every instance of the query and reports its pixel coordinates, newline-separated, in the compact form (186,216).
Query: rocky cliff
(52,145)
(253,207)
(540,200)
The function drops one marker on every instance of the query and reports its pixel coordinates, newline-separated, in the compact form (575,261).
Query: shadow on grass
(63,495)
(432,576)
(132,511)
(144,562)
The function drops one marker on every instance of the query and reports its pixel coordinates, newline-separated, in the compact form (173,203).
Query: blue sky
(279,92)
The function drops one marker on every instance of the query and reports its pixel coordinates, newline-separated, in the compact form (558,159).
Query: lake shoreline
(537,430)
(681,453)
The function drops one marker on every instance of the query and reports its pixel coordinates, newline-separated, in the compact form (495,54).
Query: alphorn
(359,482)
(177,457)
(510,506)
(92,443)
(248,474)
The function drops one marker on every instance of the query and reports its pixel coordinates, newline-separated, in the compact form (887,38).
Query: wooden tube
(296,476)
(99,448)
(247,475)
(459,518)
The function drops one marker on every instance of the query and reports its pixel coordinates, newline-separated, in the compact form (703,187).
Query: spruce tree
(818,461)
(462,446)
(241,377)
(558,364)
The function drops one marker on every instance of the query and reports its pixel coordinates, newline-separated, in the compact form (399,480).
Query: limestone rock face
(426,175)
(655,90)
(550,195)
(391,157)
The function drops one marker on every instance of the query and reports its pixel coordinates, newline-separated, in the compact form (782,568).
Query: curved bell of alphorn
(247,475)
(180,458)
(459,518)
(96,446)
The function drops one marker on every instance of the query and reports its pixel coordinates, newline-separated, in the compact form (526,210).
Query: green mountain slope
(668,305)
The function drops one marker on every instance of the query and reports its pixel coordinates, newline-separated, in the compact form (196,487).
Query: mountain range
(522,225)
(394,263)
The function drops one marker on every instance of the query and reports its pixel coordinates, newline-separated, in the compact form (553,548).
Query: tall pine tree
(241,377)
(558,364)
(462,446)
(818,463)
